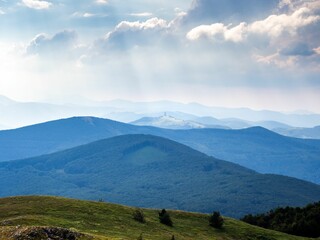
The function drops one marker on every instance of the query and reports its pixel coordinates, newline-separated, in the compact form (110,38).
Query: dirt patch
(46,233)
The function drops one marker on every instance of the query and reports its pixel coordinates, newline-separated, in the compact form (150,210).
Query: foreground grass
(110,221)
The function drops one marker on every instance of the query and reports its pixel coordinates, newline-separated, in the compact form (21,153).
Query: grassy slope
(110,221)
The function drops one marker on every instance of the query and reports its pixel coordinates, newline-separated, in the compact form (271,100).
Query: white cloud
(317,50)
(273,27)
(2,12)
(37,4)
(61,42)
(143,14)
(153,23)
(219,31)
(102,2)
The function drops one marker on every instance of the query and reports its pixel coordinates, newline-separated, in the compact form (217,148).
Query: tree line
(296,221)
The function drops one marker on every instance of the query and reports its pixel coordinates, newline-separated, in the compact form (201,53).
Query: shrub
(165,218)
(216,220)
(139,216)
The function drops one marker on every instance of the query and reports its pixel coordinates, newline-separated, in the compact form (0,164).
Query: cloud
(61,42)
(127,34)
(143,14)
(219,31)
(85,15)
(273,27)
(102,2)
(317,50)
(37,4)
(226,11)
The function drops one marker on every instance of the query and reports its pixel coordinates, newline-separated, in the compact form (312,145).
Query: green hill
(254,148)
(149,171)
(114,222)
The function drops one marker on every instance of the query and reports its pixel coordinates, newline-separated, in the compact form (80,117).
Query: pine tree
(165,218)
(216,220)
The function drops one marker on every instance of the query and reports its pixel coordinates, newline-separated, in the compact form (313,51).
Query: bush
(139,216)
(215,220)
(164,218)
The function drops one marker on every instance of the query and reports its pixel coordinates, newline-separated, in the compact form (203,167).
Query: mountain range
(256,148)
(187,121)
(149,171)
(17,114)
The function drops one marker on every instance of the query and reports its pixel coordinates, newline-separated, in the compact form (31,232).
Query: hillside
(255,148)
(149,171)
(109,221)
(313,133)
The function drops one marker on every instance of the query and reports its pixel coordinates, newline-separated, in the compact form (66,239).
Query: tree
(165,218)
(216,220)
(139,216)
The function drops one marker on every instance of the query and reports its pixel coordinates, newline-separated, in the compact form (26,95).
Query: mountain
(313,133)
(102,221)
(297,119)
(16,114)
(177,120)
(149,171)
(255,148)
(170,122)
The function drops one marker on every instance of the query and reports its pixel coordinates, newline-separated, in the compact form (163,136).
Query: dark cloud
(226,11)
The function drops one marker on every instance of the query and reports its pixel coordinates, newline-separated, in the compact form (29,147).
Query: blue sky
(250,53)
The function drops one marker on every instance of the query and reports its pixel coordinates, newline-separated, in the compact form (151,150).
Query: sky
(251,53)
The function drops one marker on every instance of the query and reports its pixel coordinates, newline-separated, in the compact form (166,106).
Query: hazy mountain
(17,114)
(177,120)
(148,171)
(297,119)
(271,125)
(313,133)
(255,148)
(170,122)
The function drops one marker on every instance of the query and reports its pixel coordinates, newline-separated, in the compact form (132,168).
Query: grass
(111,221)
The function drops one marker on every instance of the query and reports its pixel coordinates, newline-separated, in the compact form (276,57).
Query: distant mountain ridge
(255,148)
(170,122)
(16,114)
(150,171)
(312,133)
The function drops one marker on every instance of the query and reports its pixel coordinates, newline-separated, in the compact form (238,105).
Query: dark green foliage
(165,218)
(173,238)
(297,221)
(149,171)
(138,215)
(216,220)
(140,237)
